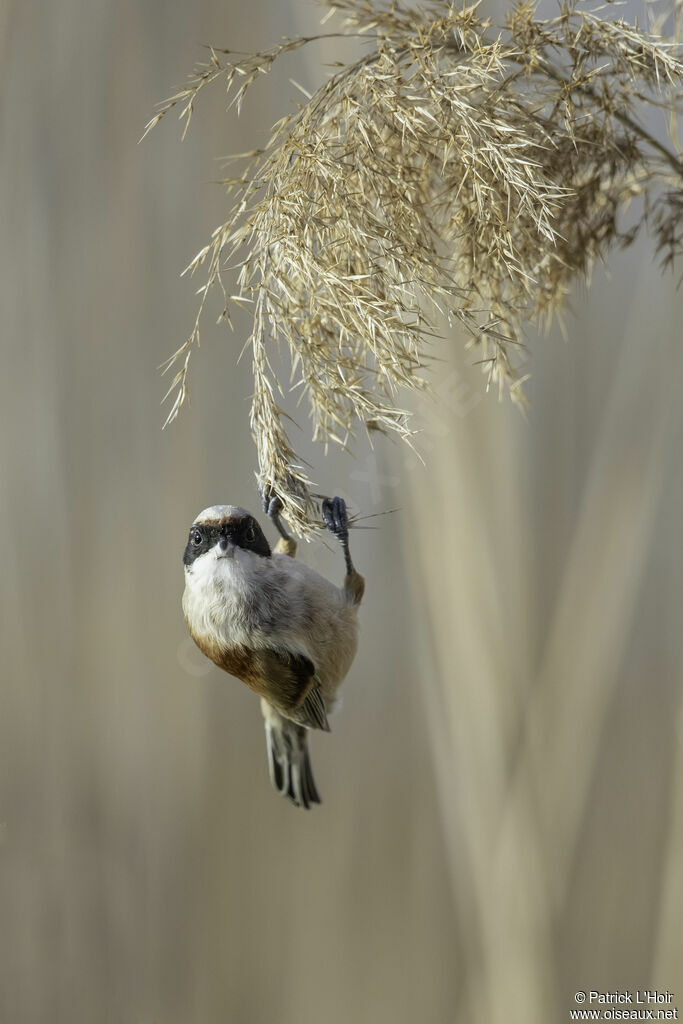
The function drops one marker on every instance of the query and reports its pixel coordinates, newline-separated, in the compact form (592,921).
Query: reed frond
(458,171)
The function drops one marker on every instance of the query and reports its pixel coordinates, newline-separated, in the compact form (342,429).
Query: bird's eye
(249,533)
(197,537)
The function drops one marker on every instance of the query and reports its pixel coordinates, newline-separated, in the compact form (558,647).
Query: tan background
(503,815)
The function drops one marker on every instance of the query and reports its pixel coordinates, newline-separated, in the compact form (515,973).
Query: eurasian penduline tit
(280,627)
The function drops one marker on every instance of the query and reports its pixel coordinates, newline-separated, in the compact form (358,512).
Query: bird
(275,624)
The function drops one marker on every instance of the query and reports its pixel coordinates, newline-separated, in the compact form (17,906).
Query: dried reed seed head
(446,175)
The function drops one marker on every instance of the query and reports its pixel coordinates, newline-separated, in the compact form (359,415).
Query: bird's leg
(334,514)
(272,506)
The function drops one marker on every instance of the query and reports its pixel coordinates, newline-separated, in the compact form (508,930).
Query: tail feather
(289,762)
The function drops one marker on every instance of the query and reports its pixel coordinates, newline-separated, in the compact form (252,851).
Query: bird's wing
(282,677)
(287,680)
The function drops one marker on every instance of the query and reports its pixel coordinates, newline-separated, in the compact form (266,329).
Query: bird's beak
(225,548)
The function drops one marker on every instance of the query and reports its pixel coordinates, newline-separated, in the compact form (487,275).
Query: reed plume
(457,172)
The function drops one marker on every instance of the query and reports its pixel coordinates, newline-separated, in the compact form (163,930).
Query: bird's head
(223,531)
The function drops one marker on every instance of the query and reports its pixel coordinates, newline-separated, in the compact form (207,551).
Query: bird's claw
(273,506)
(336,521)
(271,503)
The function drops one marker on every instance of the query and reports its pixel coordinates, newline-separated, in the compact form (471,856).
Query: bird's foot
(272,506)
(336,521)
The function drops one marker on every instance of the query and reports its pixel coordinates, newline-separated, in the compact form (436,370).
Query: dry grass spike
(455,171)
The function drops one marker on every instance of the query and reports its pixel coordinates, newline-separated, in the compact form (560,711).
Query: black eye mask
(244,533)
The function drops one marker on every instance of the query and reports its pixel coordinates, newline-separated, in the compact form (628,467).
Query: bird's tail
(288,759)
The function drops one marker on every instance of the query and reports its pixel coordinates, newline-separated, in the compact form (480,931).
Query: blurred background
(503,791)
